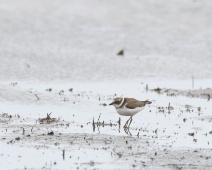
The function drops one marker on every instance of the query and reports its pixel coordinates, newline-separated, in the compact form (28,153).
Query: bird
(128,107)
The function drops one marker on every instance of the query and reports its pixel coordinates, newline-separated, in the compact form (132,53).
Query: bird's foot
(125,126)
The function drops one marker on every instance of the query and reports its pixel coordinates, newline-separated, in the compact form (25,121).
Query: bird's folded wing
(134,104)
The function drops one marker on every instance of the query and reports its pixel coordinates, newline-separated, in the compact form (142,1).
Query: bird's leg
(130,122)
(129,132)
(125,126)
(126,130)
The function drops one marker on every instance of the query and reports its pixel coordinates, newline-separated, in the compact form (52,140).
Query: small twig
(23,131)
(209,97)
(119,154)
(147,126)
(156,131)
(98,129)
(192,81)
(93,124)
(169,108)
(99,118)
(61,91)
(119,122)
(48,116)
(147,87)
(37,96)
(63,154)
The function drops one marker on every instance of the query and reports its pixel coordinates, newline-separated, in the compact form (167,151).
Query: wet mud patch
(200,93)
(120,152)
(83,131)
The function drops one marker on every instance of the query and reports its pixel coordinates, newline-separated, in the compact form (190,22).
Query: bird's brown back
(132,103)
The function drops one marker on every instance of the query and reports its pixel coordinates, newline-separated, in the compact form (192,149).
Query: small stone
(50,133)
(18,138)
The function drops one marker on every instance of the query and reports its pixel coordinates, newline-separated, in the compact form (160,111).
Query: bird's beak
(111,103)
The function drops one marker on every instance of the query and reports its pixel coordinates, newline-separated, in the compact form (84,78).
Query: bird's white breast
(128,112)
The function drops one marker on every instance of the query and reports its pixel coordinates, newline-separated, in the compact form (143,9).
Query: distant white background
(71,40)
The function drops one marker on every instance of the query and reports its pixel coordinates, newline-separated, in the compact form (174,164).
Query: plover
(128,107)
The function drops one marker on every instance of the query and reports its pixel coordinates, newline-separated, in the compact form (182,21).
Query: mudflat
(59,70)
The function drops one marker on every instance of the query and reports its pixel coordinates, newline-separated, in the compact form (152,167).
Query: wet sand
(159,138)
(102,151)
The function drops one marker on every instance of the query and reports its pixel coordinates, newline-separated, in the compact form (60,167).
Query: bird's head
(117,102)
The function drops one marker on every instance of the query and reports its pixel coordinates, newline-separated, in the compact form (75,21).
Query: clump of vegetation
(47,119)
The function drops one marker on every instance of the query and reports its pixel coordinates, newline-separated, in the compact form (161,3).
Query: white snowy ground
(73,44)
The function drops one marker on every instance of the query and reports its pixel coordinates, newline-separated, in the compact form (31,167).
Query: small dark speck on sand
(18,138)
(50,133)
(121,52)
(49,89)
(191,134)
(91,163)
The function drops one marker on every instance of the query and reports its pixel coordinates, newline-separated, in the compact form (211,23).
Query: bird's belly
(129,112)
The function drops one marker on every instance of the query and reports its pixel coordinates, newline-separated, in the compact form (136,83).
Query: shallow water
(85,104)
